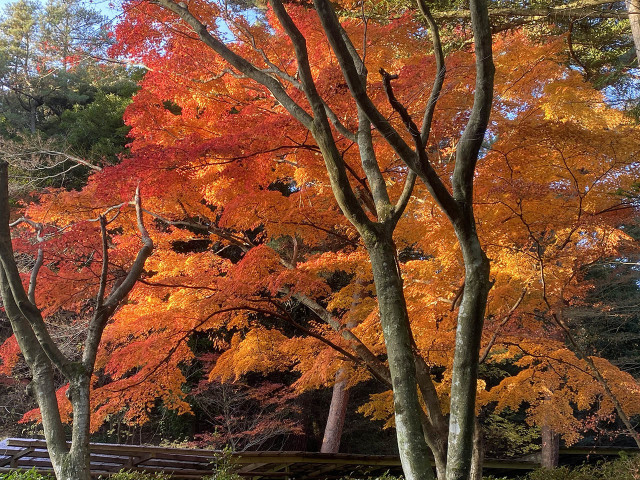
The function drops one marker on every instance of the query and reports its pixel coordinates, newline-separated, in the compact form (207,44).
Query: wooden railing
(107,459)
(183,463)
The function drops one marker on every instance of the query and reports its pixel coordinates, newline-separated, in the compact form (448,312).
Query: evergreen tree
(62,99)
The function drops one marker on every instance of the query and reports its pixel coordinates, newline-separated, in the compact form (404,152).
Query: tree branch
(423,167)
(127,284)
(38,227)
(105,308)
(320,128)
(441,72)
(238,62)
(473,135)
(105,263)
(372,362)
(14,283)
(503,322)
(404,197)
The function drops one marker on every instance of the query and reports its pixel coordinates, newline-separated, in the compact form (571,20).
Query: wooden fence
(183,463)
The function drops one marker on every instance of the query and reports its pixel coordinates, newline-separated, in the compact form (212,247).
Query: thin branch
(404,197)
(106,308)
(572,53)
(105,263)
(503,322)
(423,167)
(220,232)
(441,72)
(72,158)
(36,267)
(129,281)
(288,318)
(372,362)
(38,227)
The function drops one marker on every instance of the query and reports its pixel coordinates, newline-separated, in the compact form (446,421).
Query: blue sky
(101,5)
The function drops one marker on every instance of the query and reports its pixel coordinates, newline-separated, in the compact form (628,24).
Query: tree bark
(471,312)
(466,356)
(33,113)
(550,447)
(633,10)
(477,458)
(337,414)
(414,454)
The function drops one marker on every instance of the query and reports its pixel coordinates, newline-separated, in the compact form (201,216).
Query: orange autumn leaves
(244,219)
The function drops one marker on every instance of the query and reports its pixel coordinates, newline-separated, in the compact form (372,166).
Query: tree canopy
(271,176)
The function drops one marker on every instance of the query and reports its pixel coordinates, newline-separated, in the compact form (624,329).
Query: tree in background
(45,55)
(62,100)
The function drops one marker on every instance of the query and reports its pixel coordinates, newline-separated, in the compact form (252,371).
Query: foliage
(223,469)
(505,435)
(514,218)
(58,94)
(624,468)
(45,58)
(224,244)
(607,319)
(135,475)
(597,41)
(258,231)
(31,474)
(384,476)
(243,417)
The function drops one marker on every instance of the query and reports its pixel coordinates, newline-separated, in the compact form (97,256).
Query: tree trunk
(550,447)
(477,458)
(33,113)
(68,464)
(78,464)
(464,375)
(337,413)
(467,350)
(340,396)
(633,7)
(414,453)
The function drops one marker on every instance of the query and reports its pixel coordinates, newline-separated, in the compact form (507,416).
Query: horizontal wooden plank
(184,463)
(598,451)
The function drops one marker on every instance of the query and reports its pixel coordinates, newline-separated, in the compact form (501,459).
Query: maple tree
(380,244)
(249,350)
(260,202)
(33,336)
(377,234)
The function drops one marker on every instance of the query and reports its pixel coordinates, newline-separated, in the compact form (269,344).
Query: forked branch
(105,308)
